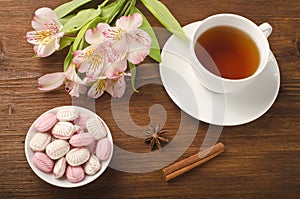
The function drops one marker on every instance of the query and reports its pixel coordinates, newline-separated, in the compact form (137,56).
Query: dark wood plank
(261,158)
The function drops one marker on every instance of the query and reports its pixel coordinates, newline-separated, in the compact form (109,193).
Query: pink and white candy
(103,149)
(96,128)
(92,147)
(92,166)
(63,130)
(81,140)
(60,167)
(81,121)
(77,156)
(45,122)
(57,149)
(78,129)
(42,162)
(67,114)
(75,174)
(68,128)
(40,141)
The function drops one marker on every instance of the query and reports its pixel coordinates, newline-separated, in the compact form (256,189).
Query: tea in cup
(229,52)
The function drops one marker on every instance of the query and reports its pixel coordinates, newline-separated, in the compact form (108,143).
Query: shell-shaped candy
(63,130)
(57,149)
(92,166)
(103,149)
(60,167)
(81,121)
(67,114)
(78,129)
(82,139)
(74,174)
(45,122)
(77,156)
(40,141)
(42,162)
(96,128)
(92,147)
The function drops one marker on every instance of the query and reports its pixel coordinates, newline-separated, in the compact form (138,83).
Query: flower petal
(117,51)
(81,55)
(47,46)
(72,75)
(92,60)
(139,46)
(115,69)
(74,89)
(95,36)
(97,89)
(116,87)
(33,37)
(130,22)
(51,81)
(117,44)
(115,35)
(45,18)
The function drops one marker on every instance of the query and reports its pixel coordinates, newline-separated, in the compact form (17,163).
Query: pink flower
(111,81)
(73,84)
(104,62)
(47,32)
(95,36)
(114,86)
(128,39)
(103,66)
(92,59)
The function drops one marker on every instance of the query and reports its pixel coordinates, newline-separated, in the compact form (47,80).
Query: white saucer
(219,109)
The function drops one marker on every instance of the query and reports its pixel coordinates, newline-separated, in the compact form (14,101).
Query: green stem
(116,7)
(132,68)
(104,3)
(124,9)
(130,7)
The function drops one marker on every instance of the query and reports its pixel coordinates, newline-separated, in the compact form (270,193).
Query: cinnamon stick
(191,162)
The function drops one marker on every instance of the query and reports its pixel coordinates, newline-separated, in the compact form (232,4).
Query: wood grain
(261,158)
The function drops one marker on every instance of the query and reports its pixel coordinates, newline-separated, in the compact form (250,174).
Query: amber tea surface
(227,52)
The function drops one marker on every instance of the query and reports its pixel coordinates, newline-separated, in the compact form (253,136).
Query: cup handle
(266,28)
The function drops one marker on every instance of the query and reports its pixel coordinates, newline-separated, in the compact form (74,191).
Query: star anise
(155,136)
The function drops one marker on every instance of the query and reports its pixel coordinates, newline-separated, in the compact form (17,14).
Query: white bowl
(63,182)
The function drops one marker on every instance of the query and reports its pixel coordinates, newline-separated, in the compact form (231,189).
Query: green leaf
(132,68)
(65,41)
(68,60)
(78,21)
(79,41)
(109,12)
(65,19)
(165,17)
(68,7)
(155,48)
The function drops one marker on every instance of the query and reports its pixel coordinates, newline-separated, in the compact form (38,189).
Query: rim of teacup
(265,46)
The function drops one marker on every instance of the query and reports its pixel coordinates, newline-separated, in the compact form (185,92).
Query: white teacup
(258,34)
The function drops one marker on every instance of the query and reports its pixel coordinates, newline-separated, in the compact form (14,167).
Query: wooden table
(261,159)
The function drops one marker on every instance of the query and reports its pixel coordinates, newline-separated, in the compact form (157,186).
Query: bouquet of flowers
(105,43)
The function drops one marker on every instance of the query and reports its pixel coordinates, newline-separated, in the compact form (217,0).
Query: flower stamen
(100,85)
(115,34)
